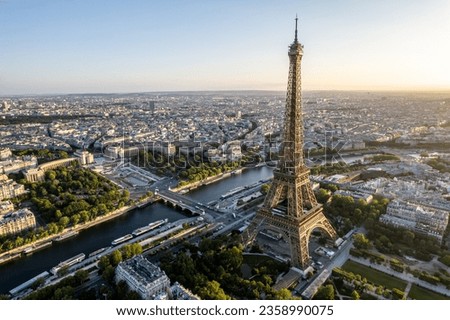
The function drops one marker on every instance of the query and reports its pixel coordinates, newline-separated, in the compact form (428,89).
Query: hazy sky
(64,46)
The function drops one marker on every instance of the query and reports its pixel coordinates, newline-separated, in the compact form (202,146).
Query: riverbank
(29,248)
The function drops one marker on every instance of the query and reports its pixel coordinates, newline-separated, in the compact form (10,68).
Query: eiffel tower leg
(330,230)
(274,195)
(249,234)
(299,248)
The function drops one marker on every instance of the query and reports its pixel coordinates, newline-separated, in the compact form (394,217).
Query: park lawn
(420,293)
(374,276)
(255,259)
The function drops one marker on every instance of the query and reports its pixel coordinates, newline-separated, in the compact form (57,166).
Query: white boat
(42,246)
(65,236)
(151,226)
(232,192)
(68,263)
(122,239)
(28,250)
(96,252)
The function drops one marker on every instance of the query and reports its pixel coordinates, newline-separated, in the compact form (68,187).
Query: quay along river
(16,272)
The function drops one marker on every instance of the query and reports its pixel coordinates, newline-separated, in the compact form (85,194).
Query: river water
(16,272)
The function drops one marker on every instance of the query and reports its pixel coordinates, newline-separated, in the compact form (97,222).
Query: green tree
(265,188)
(103,263)
(231,259)
(323,195)
(408,237)
(360,241)
(75,219)
(213,291)
(116,257)
(325,293)
(64,222)
(64,293)
(63,271)
(355,295)
(108,274)
(283,294)
(445,260)
(81,276)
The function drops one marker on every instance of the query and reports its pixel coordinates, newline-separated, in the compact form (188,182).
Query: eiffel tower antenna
(296,19)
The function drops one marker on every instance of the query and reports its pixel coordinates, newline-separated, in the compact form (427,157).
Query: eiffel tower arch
(290,205)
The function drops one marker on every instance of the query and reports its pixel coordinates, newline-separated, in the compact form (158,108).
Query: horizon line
(425,90)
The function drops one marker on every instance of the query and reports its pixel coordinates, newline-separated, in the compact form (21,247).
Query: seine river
(16,272)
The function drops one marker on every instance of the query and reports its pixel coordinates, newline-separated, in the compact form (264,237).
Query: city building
(166,148)
(38,174)
(34,175)
(9,188)
(356,195)
(17,222)
(6,207)
(142,276)
(5,153)
(177,292)
(5,106)
(84,157)
(418,218)
(16,164)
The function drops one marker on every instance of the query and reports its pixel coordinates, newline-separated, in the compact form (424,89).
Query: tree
(75,219)
(64,293)
(51,175)
(81,276)
(64,221)
(213,291)
(231,259)
(63,271)
(108,274)
(103,263)
(323,195)
(360,241)
(265,188)
(408,237)
(116,258)
(283,294)
(325,293)
(36,284)
(355,295)
(445,260)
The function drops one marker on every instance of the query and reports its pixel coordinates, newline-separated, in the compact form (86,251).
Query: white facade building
(418,218)
(9,188)
(6,207)
(142,276)
(17,221)
(84,157)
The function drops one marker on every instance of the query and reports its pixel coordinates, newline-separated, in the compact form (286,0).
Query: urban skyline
(102,47)
(221,193)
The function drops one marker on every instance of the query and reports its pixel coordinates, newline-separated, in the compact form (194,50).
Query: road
(320,277)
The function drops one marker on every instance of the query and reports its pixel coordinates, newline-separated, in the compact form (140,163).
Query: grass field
(375,276)
(420,293)
(254,260)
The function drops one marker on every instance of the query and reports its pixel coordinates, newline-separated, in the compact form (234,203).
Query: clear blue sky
(65,46)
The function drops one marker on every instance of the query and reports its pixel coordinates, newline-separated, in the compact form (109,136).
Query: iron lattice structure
(290,206)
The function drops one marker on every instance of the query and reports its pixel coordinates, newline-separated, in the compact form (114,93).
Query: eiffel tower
(290,206)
